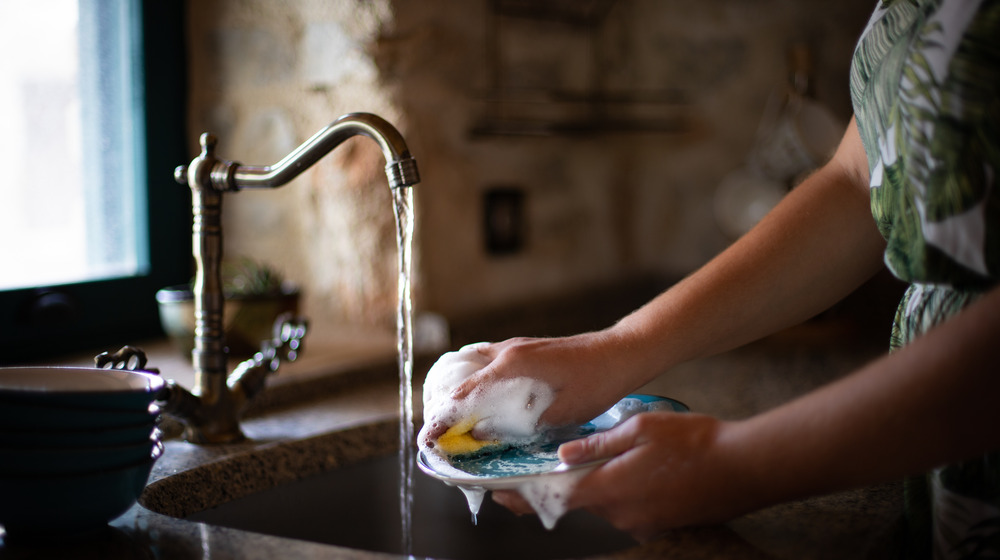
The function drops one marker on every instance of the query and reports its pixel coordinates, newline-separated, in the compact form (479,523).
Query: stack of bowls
(76,446)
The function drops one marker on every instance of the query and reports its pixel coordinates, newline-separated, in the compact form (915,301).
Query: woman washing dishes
(922,156)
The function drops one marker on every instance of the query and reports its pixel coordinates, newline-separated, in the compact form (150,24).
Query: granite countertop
(317,417)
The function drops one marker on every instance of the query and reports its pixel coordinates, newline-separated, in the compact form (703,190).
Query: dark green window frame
(43,322)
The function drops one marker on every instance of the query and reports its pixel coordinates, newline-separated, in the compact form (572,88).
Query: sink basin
(356,505)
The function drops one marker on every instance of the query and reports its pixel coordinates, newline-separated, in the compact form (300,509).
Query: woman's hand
(586,373)
(668,470)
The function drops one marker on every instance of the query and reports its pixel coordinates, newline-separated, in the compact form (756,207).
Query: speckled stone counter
(336,420)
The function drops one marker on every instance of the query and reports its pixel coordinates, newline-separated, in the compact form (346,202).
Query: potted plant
(255,295)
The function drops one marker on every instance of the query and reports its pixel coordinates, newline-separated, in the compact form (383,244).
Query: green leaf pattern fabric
(925,83)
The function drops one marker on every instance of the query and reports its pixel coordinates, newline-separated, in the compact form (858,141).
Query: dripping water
(403,209)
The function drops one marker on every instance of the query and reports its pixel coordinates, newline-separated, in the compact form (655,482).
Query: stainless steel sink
(357,506)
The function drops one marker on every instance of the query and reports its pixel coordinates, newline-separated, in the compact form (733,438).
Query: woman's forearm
(931,403)
(813,249)
(817,246)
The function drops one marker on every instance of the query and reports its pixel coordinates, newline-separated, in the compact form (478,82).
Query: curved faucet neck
(400,167)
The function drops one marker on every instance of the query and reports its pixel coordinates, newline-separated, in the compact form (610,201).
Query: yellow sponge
(458,440)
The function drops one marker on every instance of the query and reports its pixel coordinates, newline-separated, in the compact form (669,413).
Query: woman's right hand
(583,371)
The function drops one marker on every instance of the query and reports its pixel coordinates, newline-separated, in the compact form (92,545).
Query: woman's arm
(931,403)
(814,248)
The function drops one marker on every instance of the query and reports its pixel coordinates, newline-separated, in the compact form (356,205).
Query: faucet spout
(211,412)
(401,168)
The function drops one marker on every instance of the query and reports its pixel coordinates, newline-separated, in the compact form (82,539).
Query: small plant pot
(246,319)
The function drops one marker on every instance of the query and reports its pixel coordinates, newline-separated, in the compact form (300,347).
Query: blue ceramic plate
(509,467)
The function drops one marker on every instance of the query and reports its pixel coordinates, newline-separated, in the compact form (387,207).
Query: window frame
(42,322)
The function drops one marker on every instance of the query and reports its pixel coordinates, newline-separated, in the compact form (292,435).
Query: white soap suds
(507,411)
(549,494)
(474,496)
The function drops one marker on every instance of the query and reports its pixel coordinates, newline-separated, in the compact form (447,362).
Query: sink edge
(259,468)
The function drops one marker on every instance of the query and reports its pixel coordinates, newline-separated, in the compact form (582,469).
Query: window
(91,222)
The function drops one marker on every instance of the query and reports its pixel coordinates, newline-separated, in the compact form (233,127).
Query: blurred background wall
(563,144)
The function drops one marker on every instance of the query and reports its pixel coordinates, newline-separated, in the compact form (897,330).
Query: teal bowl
(106,389)
(75,437)
(20,461)
(41,507)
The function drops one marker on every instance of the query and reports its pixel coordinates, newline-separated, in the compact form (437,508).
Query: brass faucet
(211,412)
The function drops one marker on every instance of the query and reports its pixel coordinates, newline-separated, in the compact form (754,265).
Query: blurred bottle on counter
(796,135)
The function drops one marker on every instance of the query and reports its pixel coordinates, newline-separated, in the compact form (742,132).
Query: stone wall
(614,124)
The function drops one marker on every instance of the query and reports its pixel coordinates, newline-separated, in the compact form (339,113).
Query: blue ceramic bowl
(105,389)
(75,437)
(21,417)
(19,461)
(39,506)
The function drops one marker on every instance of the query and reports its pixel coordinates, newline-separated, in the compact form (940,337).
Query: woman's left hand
(667,470)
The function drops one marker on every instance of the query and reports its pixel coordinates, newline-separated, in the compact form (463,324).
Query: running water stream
(403,210)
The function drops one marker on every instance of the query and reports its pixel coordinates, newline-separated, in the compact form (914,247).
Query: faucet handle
(208,142)
(288,332)
(127,358)
(248,378)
